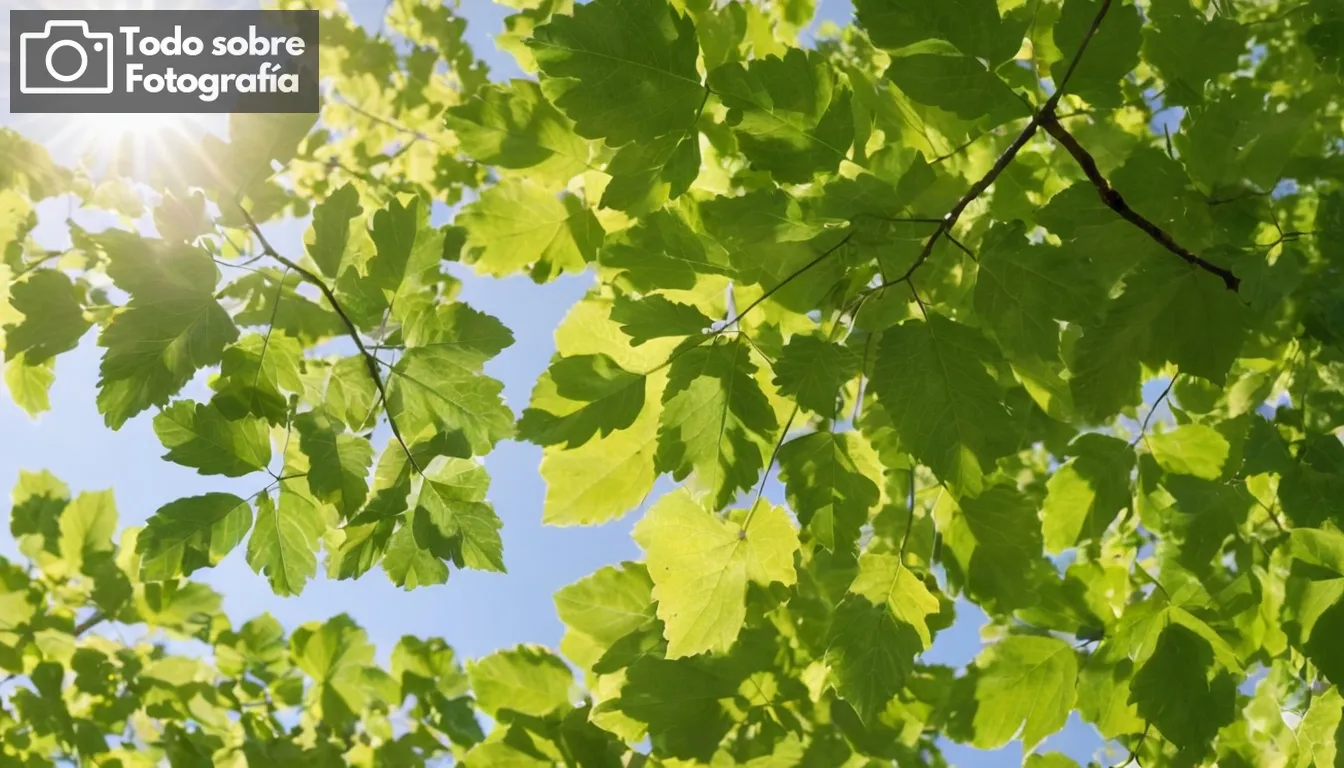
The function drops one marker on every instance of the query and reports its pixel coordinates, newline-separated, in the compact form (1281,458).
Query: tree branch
(370,361)
(1115,202)
(98,617)
(1046,112)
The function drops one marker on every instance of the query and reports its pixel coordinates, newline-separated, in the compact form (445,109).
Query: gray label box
(163,61)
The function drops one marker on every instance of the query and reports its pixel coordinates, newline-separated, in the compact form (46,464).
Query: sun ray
(125,140)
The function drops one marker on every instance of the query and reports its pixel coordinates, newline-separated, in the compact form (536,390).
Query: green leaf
(199,436)
(452,518)
(680,702)
(407,564)
(1023,288)
(1085,494)
(1315,604)
(715,419)
(171,328)
(87,526)
(973,26)
(580,397)
(791,131)
(436,389)
(826,477)
(1112,52)
(427,666)
(338,656)
(284,541)
(657,317)
(1189,48)
(30,385)
(665,250)
(1170,312)
(608,604)
(407,249)
(638,56)
(700,567)
(646,175)
(513,126)
(192,533)
(335,236)
(53,317)
(360,549)
(1182,693)
(930,377)
(518,226)
(1192,449)
(1317,735)
(908,599)
(256,376)
(338,461)
(812,370)
(278,300)
(1025,683)
(871,654)
(607,476)
(995,543)
(527,679)
(1242,134)
(958,84)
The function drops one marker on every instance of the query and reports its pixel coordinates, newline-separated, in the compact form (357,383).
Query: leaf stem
(30,267)
(909,520)
(1143,428)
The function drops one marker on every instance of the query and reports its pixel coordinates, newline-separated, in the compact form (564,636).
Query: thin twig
(1116,202)
(230,265)
(97,618)
(1134,750)
(965,145)
(370,361)
(788,424)
(774,455)
(923,310)
(796,273)
(30,267)
(394,125)
(266,340)
(962,246)
(1143,428)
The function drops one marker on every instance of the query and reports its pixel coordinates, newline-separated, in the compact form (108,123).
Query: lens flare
(128,143)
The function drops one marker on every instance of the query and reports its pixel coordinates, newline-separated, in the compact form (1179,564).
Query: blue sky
(476,612)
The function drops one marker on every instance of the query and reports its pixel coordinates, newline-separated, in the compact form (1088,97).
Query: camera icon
(84,65)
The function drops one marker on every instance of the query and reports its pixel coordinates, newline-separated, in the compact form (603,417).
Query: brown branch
(370,361)
(94,620)
(1046,112)
(1116,202)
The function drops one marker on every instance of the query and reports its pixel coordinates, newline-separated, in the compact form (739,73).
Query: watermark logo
(163,61)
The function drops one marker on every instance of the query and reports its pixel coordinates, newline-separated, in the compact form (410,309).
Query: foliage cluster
(925,267)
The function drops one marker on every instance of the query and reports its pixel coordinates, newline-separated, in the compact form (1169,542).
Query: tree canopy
(1027,304)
